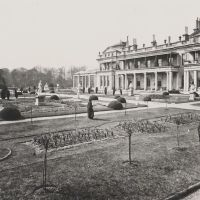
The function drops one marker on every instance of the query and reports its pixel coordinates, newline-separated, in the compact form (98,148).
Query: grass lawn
(100,170)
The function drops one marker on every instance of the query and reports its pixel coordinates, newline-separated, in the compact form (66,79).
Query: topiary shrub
(165,93)
(93,97)
(116,105)
(147,98)
(121,100)
(116,97)
(174,91)
(196,94)
(10,113)
(54,97)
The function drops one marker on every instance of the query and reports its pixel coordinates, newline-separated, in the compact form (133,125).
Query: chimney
(169,39)
(127,42)
(186,36)
(134,44)
(197,23)
(154,43)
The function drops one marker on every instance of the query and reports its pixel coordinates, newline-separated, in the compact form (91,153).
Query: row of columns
(82,77)
(124,81)
(187,79)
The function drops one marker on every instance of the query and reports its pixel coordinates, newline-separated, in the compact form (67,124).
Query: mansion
(171,65)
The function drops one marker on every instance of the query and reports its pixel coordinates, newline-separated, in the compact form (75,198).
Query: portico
(149,79)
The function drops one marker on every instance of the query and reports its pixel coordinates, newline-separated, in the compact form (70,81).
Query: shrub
(165,93)
(147,98)
(32,92)
(174,91)
(93,97)
(52,91)
(41,98)
(116,97)
(196,94)
(10,113)
(54,97)
(3,93)
(116,105)
(96,89)
(121,100)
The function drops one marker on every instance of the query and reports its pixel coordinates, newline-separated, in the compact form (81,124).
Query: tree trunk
(177,135)
(129,148)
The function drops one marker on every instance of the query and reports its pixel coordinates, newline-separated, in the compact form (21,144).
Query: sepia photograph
(99,100)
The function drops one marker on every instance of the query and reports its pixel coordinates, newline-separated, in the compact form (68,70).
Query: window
(138,63)
(148,82)
(138,83)
(101,81)
(108,83)
(159,83)
(148,63)
(159,62)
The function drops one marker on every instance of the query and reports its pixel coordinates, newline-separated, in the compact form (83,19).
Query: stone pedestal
(130,92)
(191,98)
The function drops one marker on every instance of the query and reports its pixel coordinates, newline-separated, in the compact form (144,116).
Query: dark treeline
(24,78)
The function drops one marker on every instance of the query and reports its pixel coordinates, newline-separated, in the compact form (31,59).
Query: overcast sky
(58,33)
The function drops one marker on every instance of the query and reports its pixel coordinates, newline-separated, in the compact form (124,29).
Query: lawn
(100,170)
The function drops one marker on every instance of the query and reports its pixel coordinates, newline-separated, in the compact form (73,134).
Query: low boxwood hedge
(116,105)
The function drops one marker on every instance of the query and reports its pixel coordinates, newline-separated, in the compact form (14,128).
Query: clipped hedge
(116,105)
(147,98)
(10,113)
(165,93)
(54,97)
(93,97)
(121,100)
(174,91)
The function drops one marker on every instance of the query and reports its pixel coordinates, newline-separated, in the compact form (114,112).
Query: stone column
(156,81)
(167,81)
(185,80)
(126,81)
(135,81)
(145,81)
(195,78)
(116,82)
(122,81)
(177,81)
(170,80)
(89,81)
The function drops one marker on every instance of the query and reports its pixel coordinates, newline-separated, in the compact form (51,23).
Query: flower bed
(66,138)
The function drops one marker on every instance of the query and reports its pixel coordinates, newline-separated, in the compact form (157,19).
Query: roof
(116,47)
(89,71)
(196,32)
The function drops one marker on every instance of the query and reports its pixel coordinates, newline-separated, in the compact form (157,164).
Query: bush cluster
(116,105)
(196,94)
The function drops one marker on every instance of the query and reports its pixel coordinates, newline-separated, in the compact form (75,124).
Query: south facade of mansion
(171,65)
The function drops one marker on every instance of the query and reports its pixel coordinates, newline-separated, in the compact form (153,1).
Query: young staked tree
(129,132)
(45,143)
